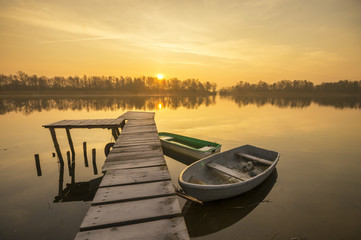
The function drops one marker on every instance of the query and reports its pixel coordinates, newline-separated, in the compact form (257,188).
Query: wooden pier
(136,198)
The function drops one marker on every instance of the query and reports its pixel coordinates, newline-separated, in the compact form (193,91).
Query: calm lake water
(314,194)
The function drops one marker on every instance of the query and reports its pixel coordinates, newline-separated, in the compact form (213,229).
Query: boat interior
(233,166)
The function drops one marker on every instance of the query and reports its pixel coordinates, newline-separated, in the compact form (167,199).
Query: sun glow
(160,76)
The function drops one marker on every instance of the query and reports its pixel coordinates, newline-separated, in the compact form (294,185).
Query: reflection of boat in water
(191,147)
(229,173)
(214,216)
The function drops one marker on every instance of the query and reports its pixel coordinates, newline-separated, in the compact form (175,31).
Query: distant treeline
(297,100)
(22,81)
(296,86)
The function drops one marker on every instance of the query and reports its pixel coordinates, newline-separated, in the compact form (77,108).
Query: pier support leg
(56,145)
(70,143)
(115,135)
(61,178)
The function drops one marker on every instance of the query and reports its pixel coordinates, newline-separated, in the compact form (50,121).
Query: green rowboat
(187,146)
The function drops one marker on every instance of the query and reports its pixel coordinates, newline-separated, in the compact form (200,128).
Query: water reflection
(28,105)
(299,101)
(73,191)
(214,216)
(76,191)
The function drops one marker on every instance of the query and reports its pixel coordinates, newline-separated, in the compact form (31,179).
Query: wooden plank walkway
(87,123)
(136,198)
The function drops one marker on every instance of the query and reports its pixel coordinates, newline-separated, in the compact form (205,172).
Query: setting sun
(160,76)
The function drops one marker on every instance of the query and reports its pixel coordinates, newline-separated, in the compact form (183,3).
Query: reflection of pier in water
(214,216)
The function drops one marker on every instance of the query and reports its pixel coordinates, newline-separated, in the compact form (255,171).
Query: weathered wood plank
(121,144)
(86,123)
(141,129)
(132,176)
(139,135)
(140,122)
(139,149)
(134,163)
(254,158)
(228,171)
(120,214)
(133,192)
(138,115)
(133,155)
(173,228)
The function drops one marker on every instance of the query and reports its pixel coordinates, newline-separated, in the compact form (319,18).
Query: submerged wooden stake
(37,163)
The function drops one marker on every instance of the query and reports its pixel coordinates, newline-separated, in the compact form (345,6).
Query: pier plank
(133,192)
(173,228)
(140,122)
(138,115)
(139,149)
(133,155)
(134,163)
(86,123)
(132,176)
(120,214)
(122,144)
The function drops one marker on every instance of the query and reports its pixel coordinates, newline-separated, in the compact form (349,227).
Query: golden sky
(224,41)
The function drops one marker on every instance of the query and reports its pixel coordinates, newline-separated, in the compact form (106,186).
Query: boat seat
(254,158)
(166,138)
(228,171)
(206,148)
(195,180)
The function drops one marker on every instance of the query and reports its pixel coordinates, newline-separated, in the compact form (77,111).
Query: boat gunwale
(214,145)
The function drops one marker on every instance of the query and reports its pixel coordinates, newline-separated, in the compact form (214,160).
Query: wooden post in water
(95,169)
(56,145)
(37,163)
(61,178)
(73,171)
(69,163)
(85,155)
(70,143)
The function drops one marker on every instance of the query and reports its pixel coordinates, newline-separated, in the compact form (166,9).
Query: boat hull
(211,192)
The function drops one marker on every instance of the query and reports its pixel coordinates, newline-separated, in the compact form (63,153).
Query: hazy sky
(223,41)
